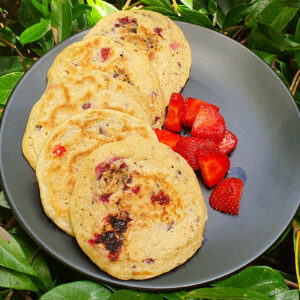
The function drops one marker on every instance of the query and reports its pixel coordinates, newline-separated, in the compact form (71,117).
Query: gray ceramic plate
(257,107)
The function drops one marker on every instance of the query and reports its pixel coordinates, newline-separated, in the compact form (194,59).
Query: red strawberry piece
(226,196)
(168,138)
(228,143)
(105,53)
(188,146)
(190,110)
(209,124)
(214,166)
(158,30)
(59,150)
(173,117)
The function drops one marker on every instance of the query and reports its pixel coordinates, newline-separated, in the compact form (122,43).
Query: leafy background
(29,28)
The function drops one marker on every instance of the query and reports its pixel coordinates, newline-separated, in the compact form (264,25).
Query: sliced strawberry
(209,124)
(173,117)
(188,146)
(214,165)
(228,143)
(168,138)
(190,109)
(226,196)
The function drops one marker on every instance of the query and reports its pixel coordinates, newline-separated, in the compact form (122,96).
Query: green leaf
(81,290)
(7,35)
(287,295)
(46,42)
(297,39)
(237,14)
(105,8)
(3,201)
(257,278)
(174,296)
(99,9)
(5,292)
(7,84)
(35,32)
(134,295)
(11,254)
(212,6)
(11,64)
(16,280)
(61,18)
(79,9)
(42,7)
(195,17)
(38,263)
(188,3)
(271,41)
(28,14)
(81,22)
(19,233)
(219,17)
(161,10)
(266,57)
(277,16)
(271,12)
(225,293)
(161,3)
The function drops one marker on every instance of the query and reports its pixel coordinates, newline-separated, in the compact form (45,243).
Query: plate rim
(111,280)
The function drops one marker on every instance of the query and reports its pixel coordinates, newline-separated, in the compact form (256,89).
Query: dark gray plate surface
(257,107)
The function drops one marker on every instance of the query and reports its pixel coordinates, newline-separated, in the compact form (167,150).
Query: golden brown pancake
(70,143)
(137,209)
(118,58)
(158,37)
(75,94)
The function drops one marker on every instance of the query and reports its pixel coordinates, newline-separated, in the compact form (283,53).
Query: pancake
(137,209)
(118,58)
(161,40)
(73,95)
(27,142)
(67,147)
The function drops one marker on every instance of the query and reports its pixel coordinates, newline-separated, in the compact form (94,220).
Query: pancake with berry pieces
(73,95)
(70,143)
(118,58)
(137,209)
(161,40)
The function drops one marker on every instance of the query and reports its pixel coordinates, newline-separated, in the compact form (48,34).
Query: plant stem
(175,5)
(273,63)
(127,4)
(291,284)
(34,255)
(231,28)
(295,83)
(9,295)
(134,4)
(237,32)
(25,295)
(14,47)
(11,223)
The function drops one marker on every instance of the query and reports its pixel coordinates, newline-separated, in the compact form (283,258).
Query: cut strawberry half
(214,165)
(228,143)
(209,124)
(190,110)
(226,196)
(173,117)
(188,146)
(168,138)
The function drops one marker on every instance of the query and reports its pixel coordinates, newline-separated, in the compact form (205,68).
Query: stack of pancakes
(134,205)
